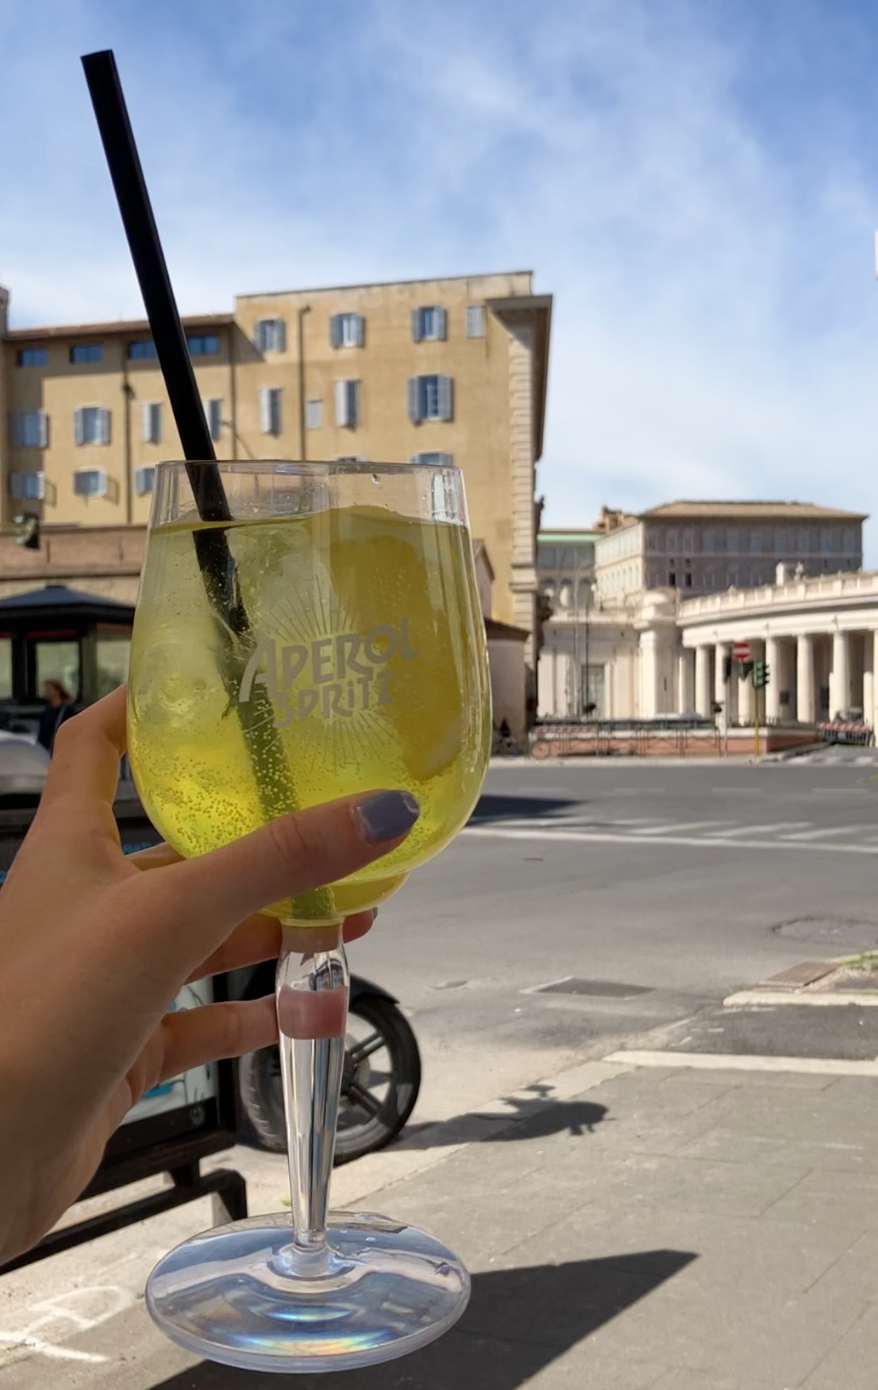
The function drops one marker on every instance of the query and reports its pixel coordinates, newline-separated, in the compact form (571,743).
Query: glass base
(231,1295)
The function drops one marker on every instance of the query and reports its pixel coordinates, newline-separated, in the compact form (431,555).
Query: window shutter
(414,399)
(335,330)
(416,326)
(280,335)
(16,429)
(441,324)
(78,427)
(259,335)
(475,321)
(353,403)
(446,398)
(146,423)
(265,410)
(42,429)
(359,330)
(103,426)
(341,403)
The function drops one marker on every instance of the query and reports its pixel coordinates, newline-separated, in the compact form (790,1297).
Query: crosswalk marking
(678,828)
(857,838)
(824,832)
(771,827)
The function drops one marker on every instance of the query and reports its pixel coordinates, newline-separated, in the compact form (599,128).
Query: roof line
(381,284)
(114,326)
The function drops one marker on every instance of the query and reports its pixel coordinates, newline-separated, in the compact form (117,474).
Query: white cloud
(694,188)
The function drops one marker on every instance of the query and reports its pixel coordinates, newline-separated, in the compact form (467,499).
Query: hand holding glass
(360,665)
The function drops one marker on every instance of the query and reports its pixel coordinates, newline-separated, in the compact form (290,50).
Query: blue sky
(696,181)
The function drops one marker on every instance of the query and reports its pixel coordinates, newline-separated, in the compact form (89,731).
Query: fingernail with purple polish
(387,815)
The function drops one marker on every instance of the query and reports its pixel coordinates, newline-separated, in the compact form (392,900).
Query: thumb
(290,855)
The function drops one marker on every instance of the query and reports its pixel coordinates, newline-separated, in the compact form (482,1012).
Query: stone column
(840,675)
(649,675)
(772,690)
(870,685)
(685,681)
(805,708)
(720,690)
(702,679)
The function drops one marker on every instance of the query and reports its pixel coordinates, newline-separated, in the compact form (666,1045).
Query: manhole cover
(831,932)
(599,989)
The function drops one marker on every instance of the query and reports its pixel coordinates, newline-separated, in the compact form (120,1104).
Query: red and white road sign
(741,651)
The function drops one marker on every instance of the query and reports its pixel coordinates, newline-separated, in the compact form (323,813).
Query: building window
(434,460)
(850,539)
(270,335)
(732,576)
(672,540)
(475,320)
(86,352)
(430,398)
(203,344)
(347,330)
(825,539)
(270,417)
(32,357)
(687,580)
(29,429)
(143,350)
(672,579)
(429,324)
(352,458)
(144,481)
(90,482)
(347,403)
(151,420)
(689,540)
(708,538)
(213,413)
(313,415)
(91,425)
(27,487)
(731,540)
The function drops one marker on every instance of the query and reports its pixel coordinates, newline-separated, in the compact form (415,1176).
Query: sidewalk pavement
(668,1227)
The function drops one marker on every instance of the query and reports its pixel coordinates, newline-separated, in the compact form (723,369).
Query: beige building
(708,547)
(636,649)
(427,370)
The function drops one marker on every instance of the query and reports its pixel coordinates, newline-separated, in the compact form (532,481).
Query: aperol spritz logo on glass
(338,676)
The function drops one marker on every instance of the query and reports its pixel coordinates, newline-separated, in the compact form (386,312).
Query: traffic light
(761,675)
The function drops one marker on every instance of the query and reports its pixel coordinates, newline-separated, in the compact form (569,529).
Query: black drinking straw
(218,570)
(108,101)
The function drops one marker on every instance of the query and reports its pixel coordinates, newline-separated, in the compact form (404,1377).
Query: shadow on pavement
(526,1119)
(491,807)
(519,1321)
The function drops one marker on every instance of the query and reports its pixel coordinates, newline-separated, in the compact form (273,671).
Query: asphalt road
(684,882)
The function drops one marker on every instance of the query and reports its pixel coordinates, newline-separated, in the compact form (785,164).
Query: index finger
(86,755)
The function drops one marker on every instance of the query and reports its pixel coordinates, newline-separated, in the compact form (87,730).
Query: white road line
(683,841)
(822,833)
(759,829)
(678,827)
(716,1061)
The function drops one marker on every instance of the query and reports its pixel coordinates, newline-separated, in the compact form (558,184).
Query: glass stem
(312,1005)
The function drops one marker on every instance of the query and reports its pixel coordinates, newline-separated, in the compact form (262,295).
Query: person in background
(59,706)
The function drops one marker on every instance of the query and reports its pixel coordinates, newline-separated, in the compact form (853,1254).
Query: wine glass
(328,640)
